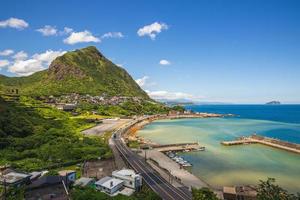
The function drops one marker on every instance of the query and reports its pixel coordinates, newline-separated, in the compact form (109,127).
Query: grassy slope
(33,137)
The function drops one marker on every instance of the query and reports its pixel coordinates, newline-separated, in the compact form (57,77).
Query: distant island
(273,103)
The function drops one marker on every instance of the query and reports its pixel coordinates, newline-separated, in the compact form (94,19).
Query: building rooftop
(35,175)
(13,177)
(125,172)
(46,181)
(83,181)
(109,182)
(65,172)
(240,190)
(229,190)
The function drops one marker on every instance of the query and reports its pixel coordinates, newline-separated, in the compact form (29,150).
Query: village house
(239,193)
(66,107)
(109,185)
(130,178)
(173,112)
(15,179)
(84,182)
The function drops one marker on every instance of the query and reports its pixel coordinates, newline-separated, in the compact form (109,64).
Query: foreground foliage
(203,194)
(268,190)
(34,136)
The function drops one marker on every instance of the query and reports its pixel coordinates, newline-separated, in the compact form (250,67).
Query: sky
(228,51)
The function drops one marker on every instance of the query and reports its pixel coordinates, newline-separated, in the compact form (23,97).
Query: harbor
(173,169)
(257,139)
(178,159)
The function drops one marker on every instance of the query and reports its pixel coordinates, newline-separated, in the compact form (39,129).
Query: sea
(242,164)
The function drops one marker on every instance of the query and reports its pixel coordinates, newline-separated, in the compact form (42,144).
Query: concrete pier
(257,139)
(178,147)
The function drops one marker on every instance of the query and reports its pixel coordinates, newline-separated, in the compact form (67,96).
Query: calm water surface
(244,164)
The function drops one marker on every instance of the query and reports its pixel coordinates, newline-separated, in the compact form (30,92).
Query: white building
(109,185)
(130,178)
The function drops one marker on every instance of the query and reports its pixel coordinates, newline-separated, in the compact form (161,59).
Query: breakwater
(257,139)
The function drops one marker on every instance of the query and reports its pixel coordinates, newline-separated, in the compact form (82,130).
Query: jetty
(257,139)
(195,146)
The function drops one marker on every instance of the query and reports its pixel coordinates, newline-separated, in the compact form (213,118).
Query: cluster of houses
(74,99)
(40,185)
(124,181)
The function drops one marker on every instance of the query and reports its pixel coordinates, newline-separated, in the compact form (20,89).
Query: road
(105,126)
(158,184)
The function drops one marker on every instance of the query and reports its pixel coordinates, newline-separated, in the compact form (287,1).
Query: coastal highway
(158,184)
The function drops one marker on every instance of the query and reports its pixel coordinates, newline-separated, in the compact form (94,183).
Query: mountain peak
(83,71)
(90,50)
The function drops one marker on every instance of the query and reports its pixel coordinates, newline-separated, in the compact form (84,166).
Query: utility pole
(4,181)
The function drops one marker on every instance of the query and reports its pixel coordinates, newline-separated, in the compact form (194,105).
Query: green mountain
(83,71)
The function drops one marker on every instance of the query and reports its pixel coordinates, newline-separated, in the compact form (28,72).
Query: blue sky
(211,50)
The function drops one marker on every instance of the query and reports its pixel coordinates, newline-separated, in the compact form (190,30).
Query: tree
(268,190)
(178,108)
(203,194)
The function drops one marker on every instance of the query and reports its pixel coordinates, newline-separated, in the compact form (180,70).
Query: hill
(273,103)
(83,71)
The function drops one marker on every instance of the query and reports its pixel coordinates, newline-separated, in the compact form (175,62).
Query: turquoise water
(244,164)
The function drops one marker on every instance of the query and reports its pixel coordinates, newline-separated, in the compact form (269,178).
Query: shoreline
(160,159)
(133,135)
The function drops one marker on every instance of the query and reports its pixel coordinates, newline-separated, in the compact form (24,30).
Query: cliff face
(83,71)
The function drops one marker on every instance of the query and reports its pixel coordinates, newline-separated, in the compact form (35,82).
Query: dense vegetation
(84,71)
(268,190)
(34,136)
(203,194)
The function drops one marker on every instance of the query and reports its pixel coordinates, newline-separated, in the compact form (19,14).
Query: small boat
(179,159)
(201,149)
(182,162)
(171,155)
(187,165)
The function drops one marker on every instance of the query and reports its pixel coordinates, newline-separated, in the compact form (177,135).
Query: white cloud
(6,52)
(47,30)
(142,81)
(66,31)
(79,37)
(21,55)
(152,30)
(48,56)
(14,23)
(112,35)
(36,63)
(164,62)
(4,63)
(172,95)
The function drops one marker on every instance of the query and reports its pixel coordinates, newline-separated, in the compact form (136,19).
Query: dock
(257,139)
(195,146)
